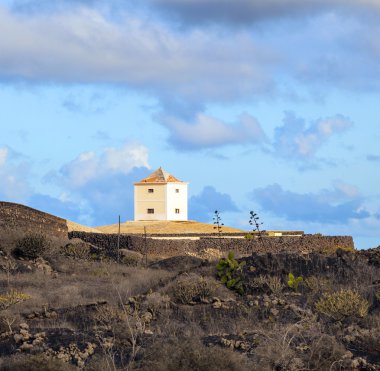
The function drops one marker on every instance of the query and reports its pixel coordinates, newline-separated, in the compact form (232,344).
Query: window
(150,190)
(150,211)
(177,211)
(177,190)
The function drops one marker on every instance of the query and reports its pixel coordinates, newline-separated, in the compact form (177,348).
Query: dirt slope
(71,226)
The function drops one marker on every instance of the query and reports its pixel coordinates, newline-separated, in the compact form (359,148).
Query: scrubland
(67,305)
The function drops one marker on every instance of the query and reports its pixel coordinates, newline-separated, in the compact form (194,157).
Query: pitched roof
(160,176)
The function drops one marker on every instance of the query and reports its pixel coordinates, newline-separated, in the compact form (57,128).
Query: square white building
(160,196)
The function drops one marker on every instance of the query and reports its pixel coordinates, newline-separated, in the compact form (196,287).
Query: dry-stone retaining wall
(167,247)
(25,219)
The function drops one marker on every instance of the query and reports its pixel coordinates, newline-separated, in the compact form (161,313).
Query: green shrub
(342,304)
(294,282)
(230,272)
(32,246)
(192,288)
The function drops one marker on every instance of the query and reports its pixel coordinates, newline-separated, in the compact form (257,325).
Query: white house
(160,196)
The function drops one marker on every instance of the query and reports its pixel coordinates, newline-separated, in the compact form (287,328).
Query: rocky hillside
(69,305)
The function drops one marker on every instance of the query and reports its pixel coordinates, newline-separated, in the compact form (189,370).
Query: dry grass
(82,283)
(188,354)
(71,226)
(164,227)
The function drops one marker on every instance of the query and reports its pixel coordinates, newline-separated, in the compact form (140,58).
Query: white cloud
(206,131)
(3,155)
(335,206)
(89,166)
(346,190)
(124,159)
(294,139)
(14,171)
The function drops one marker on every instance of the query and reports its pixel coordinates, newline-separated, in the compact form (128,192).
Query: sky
(271,106)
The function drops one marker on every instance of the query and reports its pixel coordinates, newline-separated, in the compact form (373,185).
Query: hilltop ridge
(165,227)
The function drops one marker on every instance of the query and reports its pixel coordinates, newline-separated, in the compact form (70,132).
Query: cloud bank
(203,205)
(246,12)
(336,206)
(297,140)
(89,166)
(205,131)
(95,187)
(83,46)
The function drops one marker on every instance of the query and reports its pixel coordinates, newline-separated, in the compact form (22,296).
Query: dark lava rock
(178,263)
(341,266)
(373,256)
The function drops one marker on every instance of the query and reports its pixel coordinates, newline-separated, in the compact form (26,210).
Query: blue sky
(271,106)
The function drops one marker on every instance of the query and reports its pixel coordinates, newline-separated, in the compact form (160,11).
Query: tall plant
(255,222)
(218,225)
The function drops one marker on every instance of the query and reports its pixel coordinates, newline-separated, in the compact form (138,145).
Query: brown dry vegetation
(165,227)
(76,307)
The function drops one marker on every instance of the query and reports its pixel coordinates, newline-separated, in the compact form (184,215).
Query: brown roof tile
(160,176)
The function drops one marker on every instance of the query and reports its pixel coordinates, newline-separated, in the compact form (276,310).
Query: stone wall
(305,243)
(24,219)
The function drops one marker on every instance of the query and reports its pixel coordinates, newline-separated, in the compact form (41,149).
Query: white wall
(164,200)
(176,201)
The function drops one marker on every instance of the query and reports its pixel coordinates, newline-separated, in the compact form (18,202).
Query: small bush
(192,288)
(106,315)
(342,304)
(276,353)
(129,257)
(230,272)
(190,354)
(318,284)
(325,353)
(156,301)
(80,250)
(12,297)
(32,246)
(294,282)
(368,341)
(267,283)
